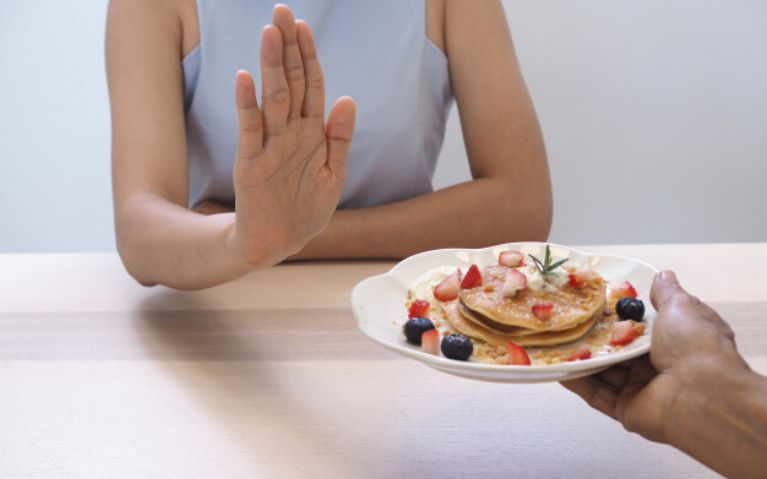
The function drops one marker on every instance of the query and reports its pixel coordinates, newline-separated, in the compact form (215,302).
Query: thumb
(339,131)
(664,287)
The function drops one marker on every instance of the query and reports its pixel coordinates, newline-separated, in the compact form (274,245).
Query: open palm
(291,164)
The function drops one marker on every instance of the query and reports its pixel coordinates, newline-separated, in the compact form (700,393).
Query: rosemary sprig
(545,267)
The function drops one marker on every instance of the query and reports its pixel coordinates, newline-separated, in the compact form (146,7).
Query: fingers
(637,371)
(641,372)
(250,143)
(597,394)
(274,85)
(314,99)
(291,58)
(339,131)
(664,287)
(614,376)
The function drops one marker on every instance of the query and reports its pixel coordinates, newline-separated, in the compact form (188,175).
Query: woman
(183,155)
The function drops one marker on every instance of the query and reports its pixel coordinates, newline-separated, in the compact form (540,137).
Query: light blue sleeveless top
(375,51)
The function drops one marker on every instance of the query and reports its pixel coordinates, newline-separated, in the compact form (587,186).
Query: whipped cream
(552,282)
(423,288)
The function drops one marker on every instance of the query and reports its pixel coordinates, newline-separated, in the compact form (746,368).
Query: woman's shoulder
(435,22)
(190,26)
(176,18)
(460,17)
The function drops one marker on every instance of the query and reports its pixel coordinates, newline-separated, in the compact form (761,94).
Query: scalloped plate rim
(510,373)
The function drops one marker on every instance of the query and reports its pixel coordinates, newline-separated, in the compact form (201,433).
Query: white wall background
(654,114)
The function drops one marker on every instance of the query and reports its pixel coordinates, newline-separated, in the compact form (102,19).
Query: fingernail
(668,275)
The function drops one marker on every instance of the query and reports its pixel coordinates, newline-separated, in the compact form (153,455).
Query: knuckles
(279,95)
(316,82)
(295,73)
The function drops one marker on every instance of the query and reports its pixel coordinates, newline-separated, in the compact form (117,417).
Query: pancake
(494,327)
(572,305)
(476,331)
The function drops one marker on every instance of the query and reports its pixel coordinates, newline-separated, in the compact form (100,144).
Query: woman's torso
(376,52)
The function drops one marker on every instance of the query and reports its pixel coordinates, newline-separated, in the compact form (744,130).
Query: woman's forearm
(722,421)
(477,213)
(163,243)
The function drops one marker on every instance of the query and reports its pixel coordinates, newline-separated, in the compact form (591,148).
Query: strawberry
(449,288)
(578,277)
(583,352)
(542,310)
(622,289)
(511,258)
(430,341)
(624,332)
(518,355)
(419,308)
(515,281)
(472,279)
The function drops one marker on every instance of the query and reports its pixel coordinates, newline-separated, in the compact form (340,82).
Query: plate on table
(378,303)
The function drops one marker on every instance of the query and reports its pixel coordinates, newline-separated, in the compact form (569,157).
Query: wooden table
(269,377)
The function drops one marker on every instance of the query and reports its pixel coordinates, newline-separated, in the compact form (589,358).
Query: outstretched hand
(688,339)
(291,164)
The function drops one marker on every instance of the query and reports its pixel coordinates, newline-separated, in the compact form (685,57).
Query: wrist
(248,253)
(235,251)
(719,406)
(313,249)
(703,385)
(326,244)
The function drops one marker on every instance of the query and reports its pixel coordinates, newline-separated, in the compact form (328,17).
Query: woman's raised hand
(291,164)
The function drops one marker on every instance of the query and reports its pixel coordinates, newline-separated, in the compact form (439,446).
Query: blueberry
(415,327)
(456,346)
(630,308)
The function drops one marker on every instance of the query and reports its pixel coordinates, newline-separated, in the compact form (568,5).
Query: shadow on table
(236,366)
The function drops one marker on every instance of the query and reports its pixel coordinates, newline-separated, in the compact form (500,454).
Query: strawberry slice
(542,310)
(419,308)
(430,341)
(472,279)
(579,277)
(518,355)
(624,332)
(621,289)
(515,281)
(511,258)
(449,288)
(583,352)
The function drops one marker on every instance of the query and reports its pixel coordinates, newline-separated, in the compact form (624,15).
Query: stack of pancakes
(484,313)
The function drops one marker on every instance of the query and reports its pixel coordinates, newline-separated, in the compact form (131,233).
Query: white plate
(378,305)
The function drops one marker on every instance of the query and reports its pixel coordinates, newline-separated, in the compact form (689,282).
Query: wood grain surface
(268,376)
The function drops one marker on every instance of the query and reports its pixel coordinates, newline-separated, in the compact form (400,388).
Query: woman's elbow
(131,264)
(129,251)
(533,216)
(541,215)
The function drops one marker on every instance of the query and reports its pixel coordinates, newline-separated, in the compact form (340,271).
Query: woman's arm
(159,240)
(278,210)
(510,196)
